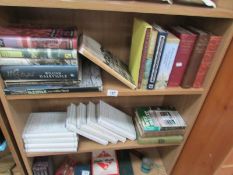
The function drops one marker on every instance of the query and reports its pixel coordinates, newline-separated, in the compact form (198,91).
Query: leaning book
(94,51)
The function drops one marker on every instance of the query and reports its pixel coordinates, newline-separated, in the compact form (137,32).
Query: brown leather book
(196,57)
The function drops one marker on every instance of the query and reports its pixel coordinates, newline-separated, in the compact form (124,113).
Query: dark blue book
(40,72)
(81,169)
(124,160)
(158,52)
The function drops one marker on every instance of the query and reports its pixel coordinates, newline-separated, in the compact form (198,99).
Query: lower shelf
(86,146)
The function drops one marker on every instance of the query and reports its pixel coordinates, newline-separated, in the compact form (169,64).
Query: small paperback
(104,163)
(93,50)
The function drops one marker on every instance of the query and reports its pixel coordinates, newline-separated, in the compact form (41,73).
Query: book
(125,163)
(149,58)
(43,165)
(206,60)
(91,81)
(72,144)
(44,72)
(29,37)
(92,50)
(169,54)
(208,3)
(138,51)
(49,140)
(45,150)
(158,52)
(104,163)
(115,120)
(187,41)
(38,53)
(196,57)
(28,61)
(82,169)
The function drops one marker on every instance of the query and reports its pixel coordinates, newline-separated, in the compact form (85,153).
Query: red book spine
(143,58)
(187,42)
(206,60)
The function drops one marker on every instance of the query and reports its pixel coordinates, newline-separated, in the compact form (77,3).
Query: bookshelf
(110,22)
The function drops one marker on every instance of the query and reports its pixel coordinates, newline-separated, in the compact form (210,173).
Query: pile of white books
(46,132)
(100,122)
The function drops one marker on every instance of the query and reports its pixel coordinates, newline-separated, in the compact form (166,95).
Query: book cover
(187,41)
(139,47)
(54,38)
(196,57)
(38,53)
(149,58)
(206,60)
(158,52)
(43,72)
(104,59)
(169,54)
(104,162)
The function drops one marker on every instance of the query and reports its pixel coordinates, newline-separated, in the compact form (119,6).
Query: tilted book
(93,50)
(208,3)
(29,37)
(138,51)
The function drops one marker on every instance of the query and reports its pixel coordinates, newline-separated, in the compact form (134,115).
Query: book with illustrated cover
(38,53)
(158,52)
(93,50)
(139,47)
(104,162)
(30,37)
(167,61)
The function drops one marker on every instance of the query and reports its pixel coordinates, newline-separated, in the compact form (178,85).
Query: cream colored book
(94,51)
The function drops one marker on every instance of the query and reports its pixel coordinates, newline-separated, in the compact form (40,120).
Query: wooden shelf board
(123,6)
(111,83)
(86,146)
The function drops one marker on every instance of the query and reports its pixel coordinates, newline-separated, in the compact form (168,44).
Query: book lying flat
(51,149)
(50,140)
(51,145)
(47,124)
(93,50)
(116,120)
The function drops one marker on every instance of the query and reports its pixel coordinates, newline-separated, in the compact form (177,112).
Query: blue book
(81,169)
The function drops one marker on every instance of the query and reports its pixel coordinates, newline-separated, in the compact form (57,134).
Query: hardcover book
(187,41)
(206,60)
(158,52)
(54,38)
(139,48)
(92,50)
(196,57)
(167,61)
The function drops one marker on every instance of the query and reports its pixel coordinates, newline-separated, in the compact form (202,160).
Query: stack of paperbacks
(46,132)
(101,123)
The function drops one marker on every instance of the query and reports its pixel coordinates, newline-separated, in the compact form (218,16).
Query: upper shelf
(111,83)
(123,6)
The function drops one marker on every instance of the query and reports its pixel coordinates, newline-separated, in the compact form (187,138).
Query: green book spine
(160,140)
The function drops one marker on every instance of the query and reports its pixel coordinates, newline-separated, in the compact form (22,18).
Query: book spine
(53,72)
(195,61)
(164,133)
(166,63)
(51,145)
(206,61)
(38,53)
(161,40)
(144,55)
(30,42)
(28,61)
(181,60)
(161,140)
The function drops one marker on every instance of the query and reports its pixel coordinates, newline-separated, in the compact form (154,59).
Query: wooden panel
(225,4)
(123,6)
(211,137)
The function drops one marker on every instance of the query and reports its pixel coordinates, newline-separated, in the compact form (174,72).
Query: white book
(165,67)
(47,124)
(116,121)
(51,140)
(52,145)
(51,150)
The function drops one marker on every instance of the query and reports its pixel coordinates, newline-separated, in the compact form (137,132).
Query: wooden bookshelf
(86,146)
(104,21)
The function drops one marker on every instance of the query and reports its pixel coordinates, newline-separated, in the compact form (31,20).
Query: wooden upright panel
(211,137)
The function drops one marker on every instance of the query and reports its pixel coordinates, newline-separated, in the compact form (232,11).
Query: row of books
(45,60)
(176,56)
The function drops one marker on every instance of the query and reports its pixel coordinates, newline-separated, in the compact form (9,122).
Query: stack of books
(37,60)
(159,125)
(46,132)
(171,57)
(100,122)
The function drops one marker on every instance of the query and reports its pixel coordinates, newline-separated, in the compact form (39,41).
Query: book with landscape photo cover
(94,51)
